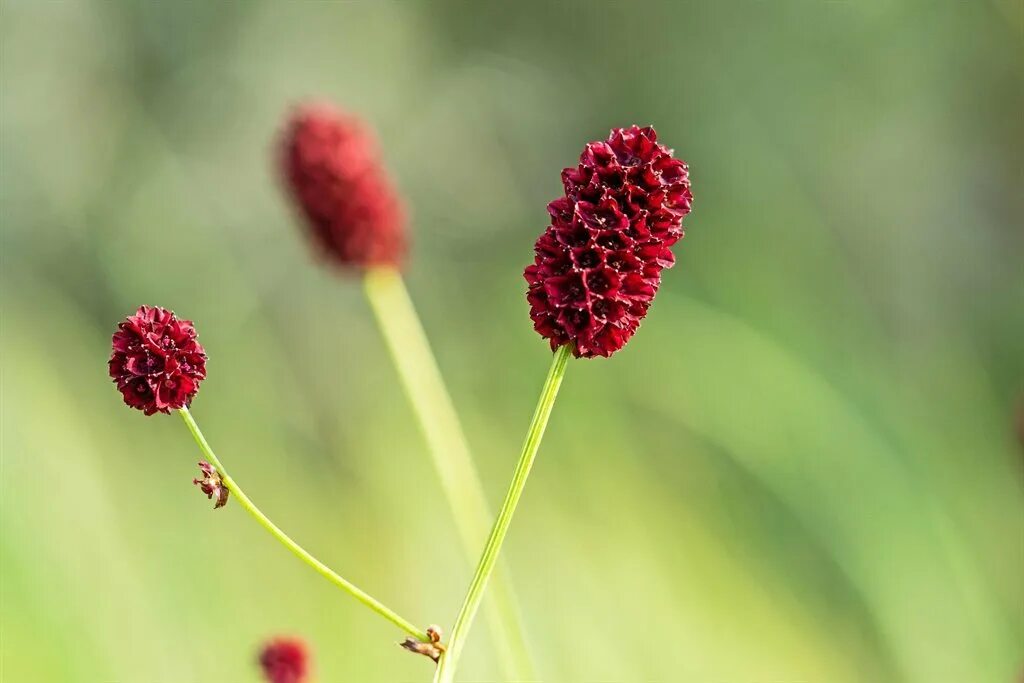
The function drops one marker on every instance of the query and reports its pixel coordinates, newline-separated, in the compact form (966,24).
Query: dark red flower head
(332,166)
(157,361)
(285,660)
(598,265)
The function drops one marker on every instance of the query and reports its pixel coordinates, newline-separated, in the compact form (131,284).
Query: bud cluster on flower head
(598,265)
(157,363)
(332,167)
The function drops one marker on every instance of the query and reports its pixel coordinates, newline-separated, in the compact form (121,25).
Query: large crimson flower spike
(332,167)
(595,272)
(598,265)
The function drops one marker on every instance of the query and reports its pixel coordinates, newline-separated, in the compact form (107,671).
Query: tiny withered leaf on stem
(285,660)
(157,363)
(434,649)
(332,167)
(211,484)
(598,265)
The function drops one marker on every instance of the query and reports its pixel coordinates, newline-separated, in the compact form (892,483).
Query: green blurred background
(802,469)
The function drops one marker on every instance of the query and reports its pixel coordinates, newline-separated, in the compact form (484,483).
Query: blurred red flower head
(285,660)
(332,167)
(598,265)
(157,363)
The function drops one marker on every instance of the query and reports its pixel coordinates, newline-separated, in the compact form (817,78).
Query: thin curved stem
(298,550)
(449,451)
(449,661)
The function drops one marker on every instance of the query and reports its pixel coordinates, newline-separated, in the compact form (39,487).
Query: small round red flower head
(598,265)
(285,660)
(331,164)
(157,362)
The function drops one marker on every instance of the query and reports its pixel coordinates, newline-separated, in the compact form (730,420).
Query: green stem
(449,661)
(298,550)
(449,451)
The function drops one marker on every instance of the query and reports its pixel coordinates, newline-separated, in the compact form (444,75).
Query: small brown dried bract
(210,484)
(434,649)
